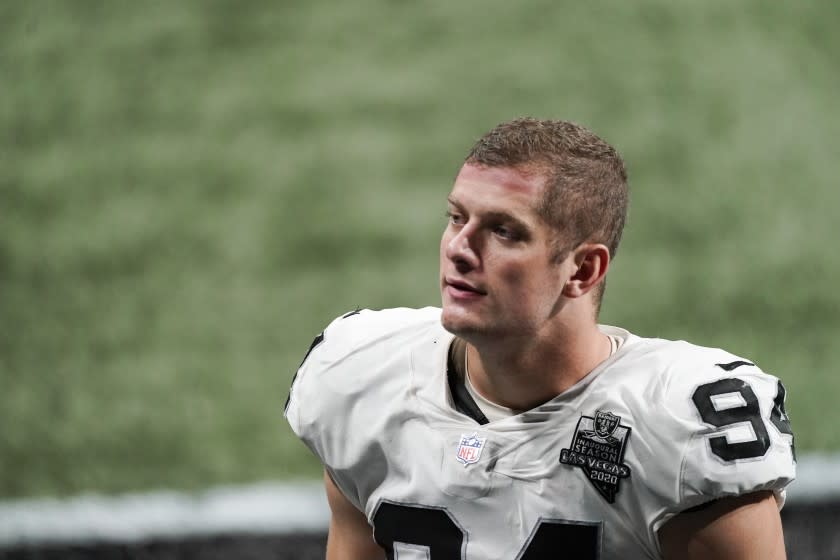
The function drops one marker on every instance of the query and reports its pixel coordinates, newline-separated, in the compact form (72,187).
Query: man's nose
(461,249)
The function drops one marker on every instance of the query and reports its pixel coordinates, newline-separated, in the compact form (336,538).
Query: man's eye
(454,218)
(504,232)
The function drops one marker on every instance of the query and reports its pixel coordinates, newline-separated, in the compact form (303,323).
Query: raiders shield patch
(598,448)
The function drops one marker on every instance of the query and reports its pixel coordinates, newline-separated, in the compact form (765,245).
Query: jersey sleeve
(740,440)
(318,400)
(336,400)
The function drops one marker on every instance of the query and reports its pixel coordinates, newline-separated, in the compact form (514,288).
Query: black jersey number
(779,417)
(436,530)
(747,411)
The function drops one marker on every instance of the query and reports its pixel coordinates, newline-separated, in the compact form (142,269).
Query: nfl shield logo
(469,450)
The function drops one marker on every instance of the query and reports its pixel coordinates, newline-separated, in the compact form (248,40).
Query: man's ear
(592,261)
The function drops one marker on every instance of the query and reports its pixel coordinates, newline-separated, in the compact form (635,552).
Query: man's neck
(525,372)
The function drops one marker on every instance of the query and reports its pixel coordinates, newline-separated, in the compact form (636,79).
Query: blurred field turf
(189,191)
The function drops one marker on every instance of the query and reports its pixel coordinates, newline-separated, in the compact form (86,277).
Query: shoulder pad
(346,366)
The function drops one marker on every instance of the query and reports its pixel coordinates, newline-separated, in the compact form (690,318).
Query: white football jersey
(657,428)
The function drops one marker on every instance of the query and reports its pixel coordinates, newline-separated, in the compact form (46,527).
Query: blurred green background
(190,191)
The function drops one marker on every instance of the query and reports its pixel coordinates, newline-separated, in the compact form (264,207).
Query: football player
(509,424)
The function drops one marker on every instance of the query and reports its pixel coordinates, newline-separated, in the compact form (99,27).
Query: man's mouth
(463,286)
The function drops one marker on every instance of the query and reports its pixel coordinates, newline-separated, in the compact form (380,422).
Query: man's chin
(457,323)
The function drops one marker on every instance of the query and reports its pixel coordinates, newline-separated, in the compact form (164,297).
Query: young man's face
(497,275)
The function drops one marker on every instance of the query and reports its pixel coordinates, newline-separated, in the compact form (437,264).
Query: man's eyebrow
(505,217)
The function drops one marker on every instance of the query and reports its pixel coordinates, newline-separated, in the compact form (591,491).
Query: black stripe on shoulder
(733,365)
(351,313)
(318,340)
(315,342)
